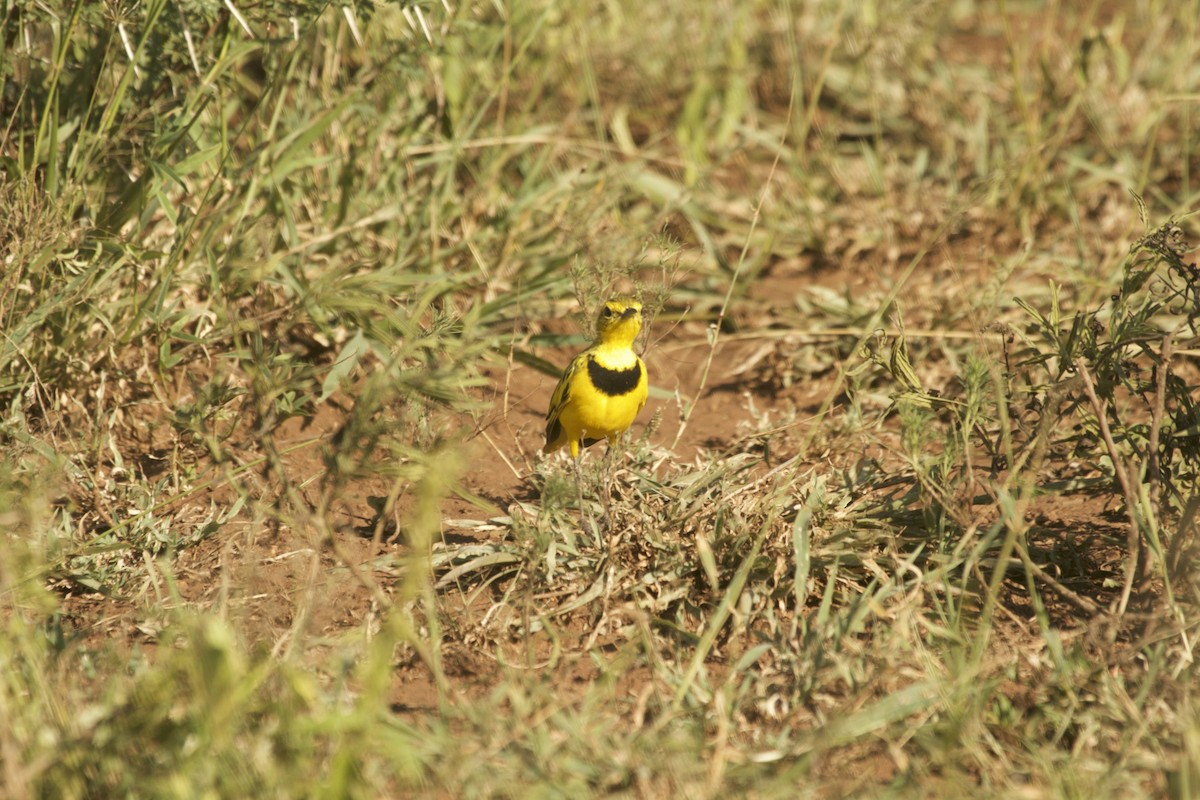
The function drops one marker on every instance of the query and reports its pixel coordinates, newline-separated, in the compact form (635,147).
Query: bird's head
(619,321)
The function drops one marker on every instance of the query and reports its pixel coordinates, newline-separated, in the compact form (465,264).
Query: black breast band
(614,382)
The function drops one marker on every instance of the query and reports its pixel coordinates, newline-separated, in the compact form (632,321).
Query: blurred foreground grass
(214,223)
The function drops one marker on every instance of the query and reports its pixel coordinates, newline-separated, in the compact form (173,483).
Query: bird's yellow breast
(606,397)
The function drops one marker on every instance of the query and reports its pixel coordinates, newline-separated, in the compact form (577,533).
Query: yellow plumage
(604,387)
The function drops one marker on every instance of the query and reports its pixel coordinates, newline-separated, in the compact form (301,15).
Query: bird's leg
(610,459)
(585,514)
(578,483)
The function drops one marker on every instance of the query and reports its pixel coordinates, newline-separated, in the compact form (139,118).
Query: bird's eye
(607,312)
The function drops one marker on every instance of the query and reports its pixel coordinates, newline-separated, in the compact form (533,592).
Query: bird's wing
(562,393)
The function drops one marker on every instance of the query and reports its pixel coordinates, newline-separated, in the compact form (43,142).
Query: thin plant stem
(1134,538)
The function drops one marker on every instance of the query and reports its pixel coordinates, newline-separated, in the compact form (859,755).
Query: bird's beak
(629,312)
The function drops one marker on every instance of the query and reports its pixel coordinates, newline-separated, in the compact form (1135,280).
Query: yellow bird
(604,387)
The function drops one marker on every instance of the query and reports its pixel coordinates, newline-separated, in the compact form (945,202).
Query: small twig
(516,473)
(348,13)
(240,19)
(424,24)
(1085,604)
(807,335)
(1153,468)
(187,38)
(1135,534)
